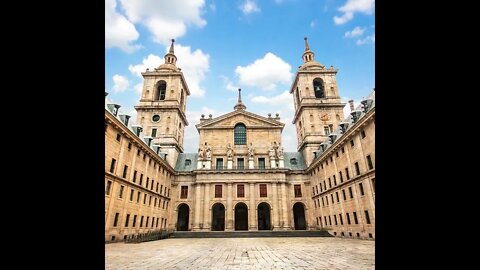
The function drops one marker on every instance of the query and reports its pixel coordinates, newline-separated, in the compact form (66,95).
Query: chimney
(352,106)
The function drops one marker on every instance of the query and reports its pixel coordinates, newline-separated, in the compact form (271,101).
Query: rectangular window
(348,219)
(324,185)
(146,223)
(326,130)
(156,189)
(335,218)
(148,179)
(131,195)
(338,199)
(263,190)
(218,191)
(334,180)
(315,201)
(352,143)
(347,174)
(120,192)
(298,190)
(325,219)
(343,150)
(126,220)
(336,154)
(261,163)
(240,191)
(341,176)
(316,188)
(115,221)
(125,169)
(351,192)
(313,190)
(326,199)
(341,219)
(355,217)
(369,162)
(154,132)
(151,184)
(184,192)
(150,200)
(156,224)
(240,164)
(161,189)
(129,146)
(134,176)
(321,225)
(362,133)
(344,196)
(138,152)
(134,220)
(331,196)
(108,187)
(219,163)
(155,202)
(361,189)
(331,159)
(119,136)
(357,168)
(141,221)
(329,183)
(112,165)
(141,179)
(323,204)
(138,196)
(373,184)
(330,220)
(144,156)
(145,198)
(367,217)
(163,205)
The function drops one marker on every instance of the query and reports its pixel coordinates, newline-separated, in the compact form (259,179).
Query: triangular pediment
(250,120)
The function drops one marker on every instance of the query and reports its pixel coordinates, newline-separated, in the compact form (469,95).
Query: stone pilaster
(252,221)
(229,208)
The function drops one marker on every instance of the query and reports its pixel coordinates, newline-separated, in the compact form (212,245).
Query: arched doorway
(299,216)
(182,220)
(218,217)
(264,216)
(241,217)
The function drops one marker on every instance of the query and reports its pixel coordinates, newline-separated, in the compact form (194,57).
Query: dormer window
(188,162)
(293,161)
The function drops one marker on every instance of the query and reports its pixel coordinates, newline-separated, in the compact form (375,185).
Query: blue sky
(225,45)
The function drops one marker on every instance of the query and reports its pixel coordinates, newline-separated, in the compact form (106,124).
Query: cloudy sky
(221,46)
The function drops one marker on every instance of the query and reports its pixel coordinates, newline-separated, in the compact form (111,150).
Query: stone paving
(243,253)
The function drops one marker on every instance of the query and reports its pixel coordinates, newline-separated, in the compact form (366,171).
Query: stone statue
(201,153)
(271,152)
(280,151)
(208,152)
(251,150)
(229,151)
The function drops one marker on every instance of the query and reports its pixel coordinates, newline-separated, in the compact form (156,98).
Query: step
(249,234)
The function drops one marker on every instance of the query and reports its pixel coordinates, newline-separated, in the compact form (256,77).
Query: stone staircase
(249,234)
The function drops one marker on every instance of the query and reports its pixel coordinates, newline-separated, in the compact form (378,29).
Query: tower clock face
(156,118)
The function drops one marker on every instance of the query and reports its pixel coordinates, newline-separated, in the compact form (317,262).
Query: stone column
(229,163)
(250,163)
(252,221)
(284,222)
(196,222)
(229,208)
(206,208)
(275,212)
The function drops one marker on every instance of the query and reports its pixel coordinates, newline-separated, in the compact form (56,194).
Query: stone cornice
(131,184)
(109,118)
(274,123)
(342,139)
(164,107)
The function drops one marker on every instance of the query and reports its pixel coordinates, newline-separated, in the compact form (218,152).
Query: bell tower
(161,111)
(318,109)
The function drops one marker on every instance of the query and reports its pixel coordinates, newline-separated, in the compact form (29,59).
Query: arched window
(161,90)
(240,134)
(318,88)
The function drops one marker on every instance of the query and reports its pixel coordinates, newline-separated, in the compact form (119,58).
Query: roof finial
(239,105)
(239,95)
(171,46)
(307,48)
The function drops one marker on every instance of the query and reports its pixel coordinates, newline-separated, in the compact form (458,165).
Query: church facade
(241,179)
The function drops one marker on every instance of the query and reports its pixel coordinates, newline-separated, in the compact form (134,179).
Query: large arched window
(318,88)
(161,90)
(240,134)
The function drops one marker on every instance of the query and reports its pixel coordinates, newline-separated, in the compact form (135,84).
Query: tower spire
(171,47)
(170,57)
(239,105)
(307,48)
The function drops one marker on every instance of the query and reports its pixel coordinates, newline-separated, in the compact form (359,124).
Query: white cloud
(120,83)
(165,19)
(228,84)
(119,32)
(194,65)
(312,24)
(356,32)
(366,40)
(265,73)
(138,88)
(249,6)
(353,6)
(282,100)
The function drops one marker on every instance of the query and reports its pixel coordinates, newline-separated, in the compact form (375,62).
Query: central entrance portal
(241,217)
(264,217)
(182,220)
(218,217)
(299,216)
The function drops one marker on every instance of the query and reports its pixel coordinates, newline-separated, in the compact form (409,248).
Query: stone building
(240,178)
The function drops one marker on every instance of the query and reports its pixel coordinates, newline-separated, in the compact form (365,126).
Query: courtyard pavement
(243,253)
